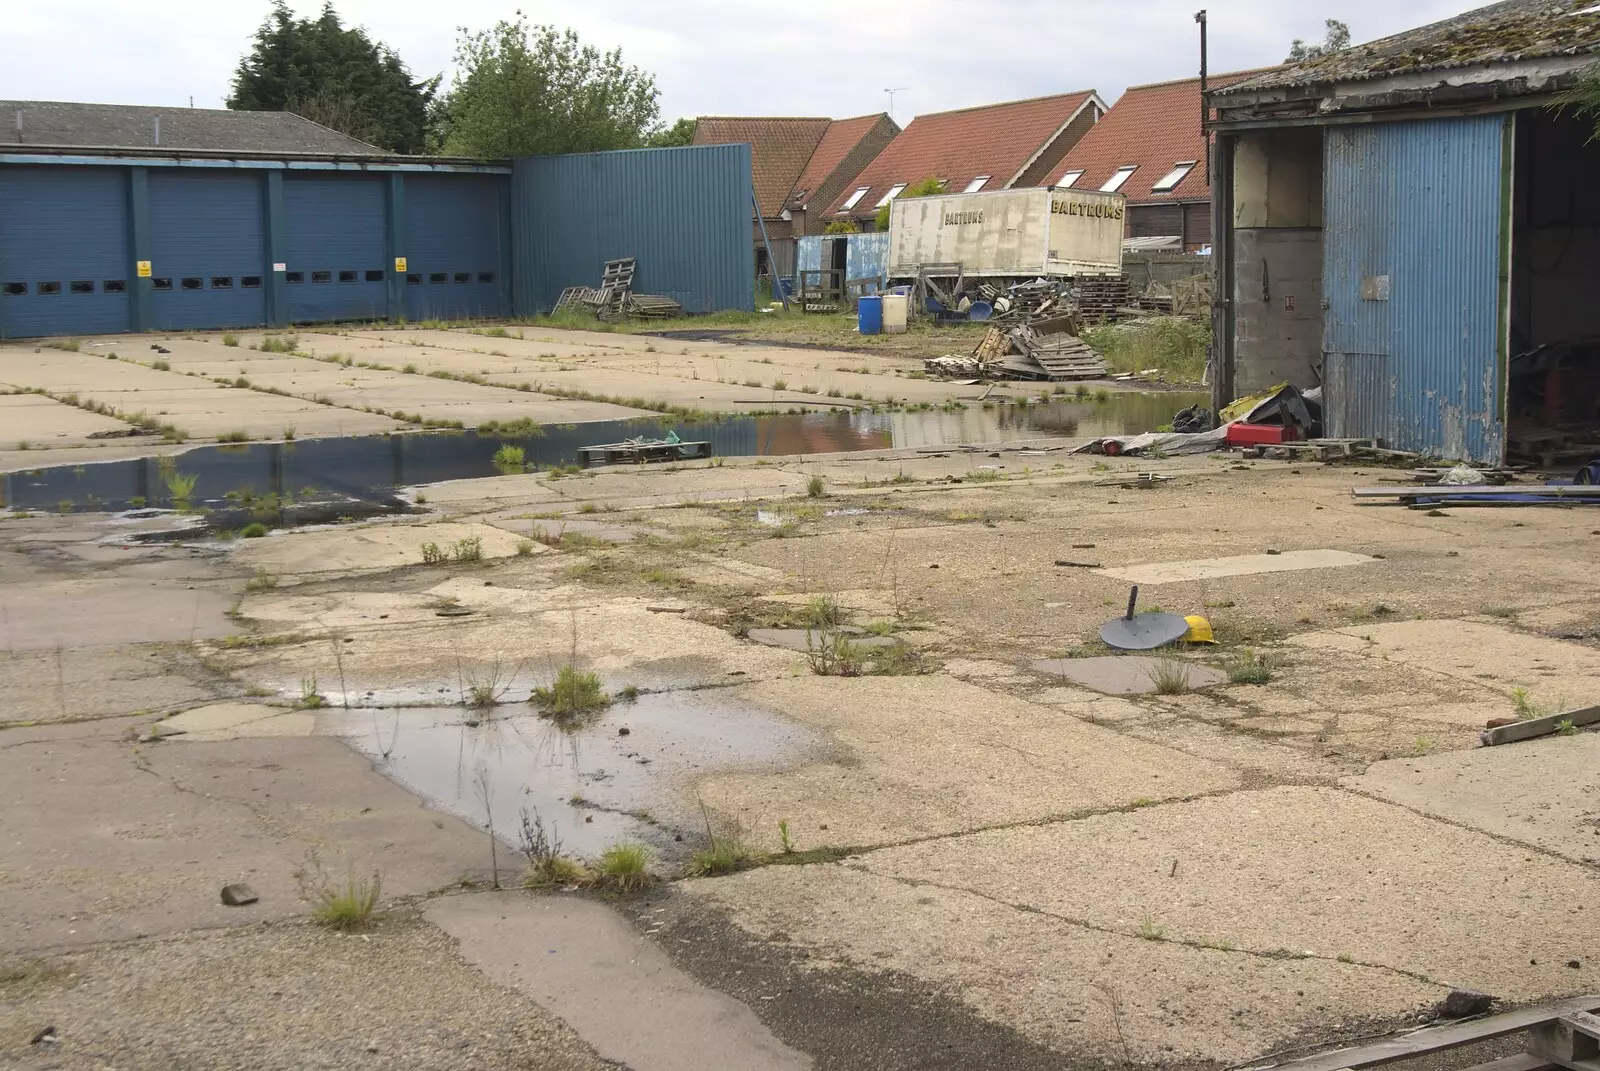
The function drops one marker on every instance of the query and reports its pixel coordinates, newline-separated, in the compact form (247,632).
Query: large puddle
(325,479)
(627,774)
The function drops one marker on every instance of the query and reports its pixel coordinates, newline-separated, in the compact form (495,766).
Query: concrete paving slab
(925,756)
(1556,673)
(284,998)
(382,546)
(68,684)
(1307,871)
(1540,792)
(614,987)
(1127,674)
(801,639)
(1095,997)
(109,611)
(233,721)
(39,422)
(168,824)
(1238,565)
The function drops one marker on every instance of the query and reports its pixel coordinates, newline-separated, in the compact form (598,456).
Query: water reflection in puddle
(592,783)
(326,479)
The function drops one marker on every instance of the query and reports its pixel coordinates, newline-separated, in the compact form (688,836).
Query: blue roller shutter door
(335,230)
(452,247)
(207,249)
(65,268)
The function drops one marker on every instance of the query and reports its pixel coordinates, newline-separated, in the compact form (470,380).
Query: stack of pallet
(1100,297)
(615,298)
(652,307)
(1054,357)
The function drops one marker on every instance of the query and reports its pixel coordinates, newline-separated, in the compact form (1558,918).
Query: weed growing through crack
(823,612)
(1249,667)
(628,693)
(433,555)
(253,531)
(263,580)
(724,853)
(831,653)
(524,548)
(548,866)
(1149,931)
(573,692)
(1170,676)
(279,344)
(310,697)
(1523,706)
(510,460)
(1564,727)
(814,487)
(353,907)
(482,687)
(229,338)
(624,868)
(784,840)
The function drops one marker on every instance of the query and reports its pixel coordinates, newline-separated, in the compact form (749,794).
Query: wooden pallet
(642,453)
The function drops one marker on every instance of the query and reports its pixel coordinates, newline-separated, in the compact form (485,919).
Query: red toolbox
(1261,434)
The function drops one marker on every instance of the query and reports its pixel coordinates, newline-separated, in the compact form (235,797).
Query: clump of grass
(484,687)
(510,459)
(548,865)
(572,692)
(354,907)
(624,868)
(1523,706)
(1170,676)
(310,697)
(469,549)
(253,531)
(833,654)
(238,435)
(279,344)
(1149,931)
(288,433)
(628,693)
(525,548)
(432,554)
(784,840)
(814,487)
(780,384)
(521,428)
(71,345)
(264,580)
(823,612)
(229,338)
(1250,667)
(724,856)
(161,364)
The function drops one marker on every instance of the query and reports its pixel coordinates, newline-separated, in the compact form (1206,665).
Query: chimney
(19,126)
(158,130)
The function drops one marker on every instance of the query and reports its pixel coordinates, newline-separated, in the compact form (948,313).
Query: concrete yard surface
(898,805)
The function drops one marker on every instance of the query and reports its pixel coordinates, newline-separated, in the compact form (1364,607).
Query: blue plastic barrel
(869,315)
(980,310)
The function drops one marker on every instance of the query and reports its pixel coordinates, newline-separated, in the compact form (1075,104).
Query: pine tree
(335,76)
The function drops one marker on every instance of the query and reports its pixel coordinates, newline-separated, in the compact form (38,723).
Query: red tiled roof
(996,140)
(843,135)
(1156,127)
(780,149)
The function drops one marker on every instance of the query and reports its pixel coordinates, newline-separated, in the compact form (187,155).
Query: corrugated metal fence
(1414,218)
(684,213)
(866,254)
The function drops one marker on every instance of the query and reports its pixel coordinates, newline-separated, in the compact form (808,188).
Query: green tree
(668,137)
(523,90)
(926,188)
(335,76)
(1336,39)
(842,226)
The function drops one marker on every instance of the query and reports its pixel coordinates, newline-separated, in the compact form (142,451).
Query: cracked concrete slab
(610,983)
(370,547)
(85,864)
(1299,871)
(1127,674)
(84,612)
(1092,996)
(1239,565)
(1540,792)
(73,683)
(926,756)
(231,721)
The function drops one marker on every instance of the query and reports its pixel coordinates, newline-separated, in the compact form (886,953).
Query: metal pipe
(1205,106)
(772,264)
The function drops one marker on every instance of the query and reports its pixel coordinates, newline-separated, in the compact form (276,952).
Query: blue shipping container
(1415,215)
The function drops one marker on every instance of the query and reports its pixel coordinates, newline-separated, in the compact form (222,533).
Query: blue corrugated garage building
(117,218)
(1412,225)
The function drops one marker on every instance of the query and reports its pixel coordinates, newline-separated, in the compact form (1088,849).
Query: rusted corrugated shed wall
(1414,218)
(684,213)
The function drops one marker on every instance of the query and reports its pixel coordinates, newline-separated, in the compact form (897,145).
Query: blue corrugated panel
(453,235)
(1414,219)
(64,263)
(334,231)
(208,249)
(808,253)
(867,256)
(683,213)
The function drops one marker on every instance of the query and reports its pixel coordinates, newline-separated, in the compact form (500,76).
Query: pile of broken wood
(614,298)
(1043,350)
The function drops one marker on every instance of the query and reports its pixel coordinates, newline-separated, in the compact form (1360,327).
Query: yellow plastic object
(1199,630)
(1240,408)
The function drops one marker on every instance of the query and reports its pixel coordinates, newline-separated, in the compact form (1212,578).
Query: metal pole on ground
(772,264)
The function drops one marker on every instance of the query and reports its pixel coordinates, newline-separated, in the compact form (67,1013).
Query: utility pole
(892,92)
(1205,108)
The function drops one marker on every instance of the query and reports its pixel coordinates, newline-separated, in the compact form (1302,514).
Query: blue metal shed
(208,250)
(683,213)
(1416,283)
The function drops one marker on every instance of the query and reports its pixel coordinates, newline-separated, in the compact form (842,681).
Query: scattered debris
(642,449)
(1462,1004)
(1531,728)
(47,1036)
(1142,632)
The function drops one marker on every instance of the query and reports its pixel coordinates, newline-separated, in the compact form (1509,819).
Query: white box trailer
(1009,233)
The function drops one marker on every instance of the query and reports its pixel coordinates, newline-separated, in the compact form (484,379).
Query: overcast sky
(826,57)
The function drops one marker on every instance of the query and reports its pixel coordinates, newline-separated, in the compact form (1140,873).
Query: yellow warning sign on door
(144,269)
(399,263)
